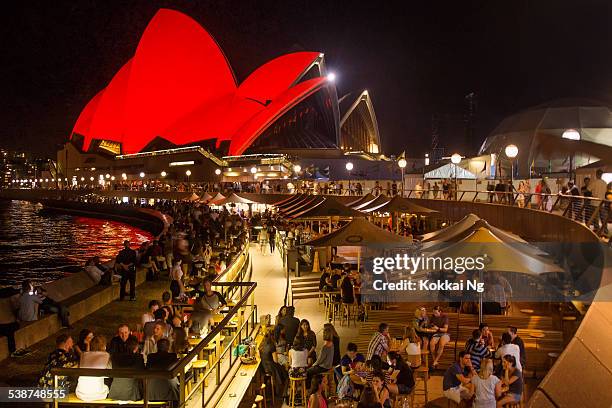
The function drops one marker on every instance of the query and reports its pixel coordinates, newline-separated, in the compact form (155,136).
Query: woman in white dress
(93,388)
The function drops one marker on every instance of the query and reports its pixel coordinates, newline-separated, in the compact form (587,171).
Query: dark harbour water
(45,247)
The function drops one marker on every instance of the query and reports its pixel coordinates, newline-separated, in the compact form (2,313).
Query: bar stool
(295,382)
(421,374)
(349,311)
(199,366)
(260,401)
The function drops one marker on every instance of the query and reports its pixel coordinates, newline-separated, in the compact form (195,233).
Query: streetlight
(349,168)
(511,152)
(163,174)
(331,77)
(402,163)
(124,176)
(91,178)
(571,134)
(107,176)
(253,170)
(142,174)
(218,172)
(456,159)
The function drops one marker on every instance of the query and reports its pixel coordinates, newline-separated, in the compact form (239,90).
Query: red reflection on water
(106,237)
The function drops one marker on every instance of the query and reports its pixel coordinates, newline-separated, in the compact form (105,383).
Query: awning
(328,207)
(378,201)
(366,198)
(361,232)
(402,205)
(307,201)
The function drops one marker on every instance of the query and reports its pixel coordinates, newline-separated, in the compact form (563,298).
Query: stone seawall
(85,297)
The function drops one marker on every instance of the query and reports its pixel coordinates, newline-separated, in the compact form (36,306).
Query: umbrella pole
(457,327)
(480,278)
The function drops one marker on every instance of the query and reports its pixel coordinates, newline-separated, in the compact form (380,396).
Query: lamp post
(456,159)
(511,152)
(349,168)
(402,163)
(571,134)
(188,174)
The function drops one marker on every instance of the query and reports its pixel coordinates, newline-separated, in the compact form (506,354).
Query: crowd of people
(290,350)
(193,250)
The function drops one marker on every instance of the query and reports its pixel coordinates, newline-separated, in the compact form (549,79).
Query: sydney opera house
(178,101)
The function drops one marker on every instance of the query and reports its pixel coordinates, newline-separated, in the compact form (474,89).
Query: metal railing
(588,210)
(247,324)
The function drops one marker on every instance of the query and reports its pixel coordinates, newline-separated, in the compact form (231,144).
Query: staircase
(305,287)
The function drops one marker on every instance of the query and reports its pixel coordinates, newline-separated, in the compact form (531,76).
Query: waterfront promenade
(24,371)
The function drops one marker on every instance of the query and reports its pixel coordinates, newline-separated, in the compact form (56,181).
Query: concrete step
(313,285)
(306,279)
(305,290)
(305,296)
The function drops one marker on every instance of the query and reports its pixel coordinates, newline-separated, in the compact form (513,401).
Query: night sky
(416,58)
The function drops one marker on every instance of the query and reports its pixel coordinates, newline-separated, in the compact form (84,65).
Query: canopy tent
(192,197)
(378,201)
(218,197)
(328,207)
(449,170)
(366,198)
(452,230)
(234,199)
(205,198)
(469,224)
(361,232)
(401,205)
(500,256)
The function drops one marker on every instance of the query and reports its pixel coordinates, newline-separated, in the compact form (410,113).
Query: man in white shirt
(599,188)
(508,348)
